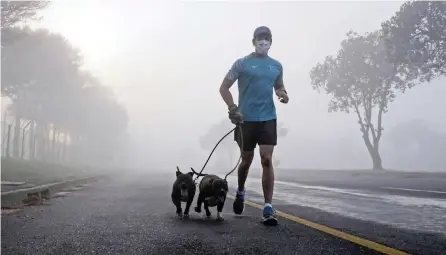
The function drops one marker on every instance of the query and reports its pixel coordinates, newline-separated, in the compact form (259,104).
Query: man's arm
(229,80)
(279,87)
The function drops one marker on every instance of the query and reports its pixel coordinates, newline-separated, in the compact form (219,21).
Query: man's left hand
(283,96)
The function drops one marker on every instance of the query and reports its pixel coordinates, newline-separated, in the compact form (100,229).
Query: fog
(166,61)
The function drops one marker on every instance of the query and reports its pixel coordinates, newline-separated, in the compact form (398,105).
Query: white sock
(267,204)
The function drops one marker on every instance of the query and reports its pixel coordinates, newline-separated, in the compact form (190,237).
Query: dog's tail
(198,174)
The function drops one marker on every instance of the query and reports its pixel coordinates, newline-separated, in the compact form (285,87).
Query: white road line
(418,190)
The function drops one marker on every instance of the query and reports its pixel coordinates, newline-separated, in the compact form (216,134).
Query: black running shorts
(261,133)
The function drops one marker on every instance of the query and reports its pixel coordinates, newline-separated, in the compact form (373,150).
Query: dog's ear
(191,174)
(178,172)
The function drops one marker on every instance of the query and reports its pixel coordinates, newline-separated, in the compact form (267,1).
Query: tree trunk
(374,154)
(63,137)
(39,146)
(16,146)
(46,142)
(31,141)
(376,158)
(52,151)
(4,132)
(64,147)
(8,142)
(56,145)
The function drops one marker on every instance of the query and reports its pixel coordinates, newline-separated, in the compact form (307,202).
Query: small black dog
(212,192)
(183,190)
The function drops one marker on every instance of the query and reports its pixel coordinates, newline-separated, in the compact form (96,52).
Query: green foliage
(16,12)
(416,39)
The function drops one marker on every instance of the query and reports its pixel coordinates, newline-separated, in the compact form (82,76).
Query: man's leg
(267,141)
(243,169)
(247,155)
(266,155)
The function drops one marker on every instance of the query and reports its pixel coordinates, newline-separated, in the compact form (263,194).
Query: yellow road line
(357,240)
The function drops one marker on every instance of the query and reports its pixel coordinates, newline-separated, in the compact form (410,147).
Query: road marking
(355,239)
(419,190)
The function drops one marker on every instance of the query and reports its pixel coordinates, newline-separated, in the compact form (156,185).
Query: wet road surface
(134,215)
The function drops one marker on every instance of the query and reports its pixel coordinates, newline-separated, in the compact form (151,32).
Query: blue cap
(262,30)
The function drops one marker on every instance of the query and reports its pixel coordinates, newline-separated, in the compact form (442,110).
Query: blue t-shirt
(256,79)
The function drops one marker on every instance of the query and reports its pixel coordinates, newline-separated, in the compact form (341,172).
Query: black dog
(212,192)
(183,190)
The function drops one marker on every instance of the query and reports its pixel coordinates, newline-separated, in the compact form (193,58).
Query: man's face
(262,43)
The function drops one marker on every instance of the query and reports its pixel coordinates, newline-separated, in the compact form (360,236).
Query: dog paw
(198,209)
(180,214)
(186,216)
(208,214)
(220,217)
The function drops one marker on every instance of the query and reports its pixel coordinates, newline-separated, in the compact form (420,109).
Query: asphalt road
(409,201)
(403,183)
(134,215)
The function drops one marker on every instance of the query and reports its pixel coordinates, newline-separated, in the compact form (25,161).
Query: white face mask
(262,46)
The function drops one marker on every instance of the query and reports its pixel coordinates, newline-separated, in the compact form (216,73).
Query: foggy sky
(166,61)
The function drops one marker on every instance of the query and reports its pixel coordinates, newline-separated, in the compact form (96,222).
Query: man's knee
(266,160)
(266,155)
(247,157)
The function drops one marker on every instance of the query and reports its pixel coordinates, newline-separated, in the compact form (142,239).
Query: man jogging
(257,75)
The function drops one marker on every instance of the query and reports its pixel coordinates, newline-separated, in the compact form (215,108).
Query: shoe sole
(270,221)
(234,205)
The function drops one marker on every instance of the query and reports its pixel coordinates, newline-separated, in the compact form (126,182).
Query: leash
(215,147)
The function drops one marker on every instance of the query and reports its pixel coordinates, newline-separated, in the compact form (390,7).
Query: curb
(15,198)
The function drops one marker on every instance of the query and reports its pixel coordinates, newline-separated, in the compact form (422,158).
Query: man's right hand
(235,115)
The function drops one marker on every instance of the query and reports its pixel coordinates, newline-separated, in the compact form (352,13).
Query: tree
(105,117)
(15,12)
(416,39)
(39,62)
(41,74)
(360,79)
(281,132)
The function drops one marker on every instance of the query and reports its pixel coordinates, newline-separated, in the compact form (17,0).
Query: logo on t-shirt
(273,68)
